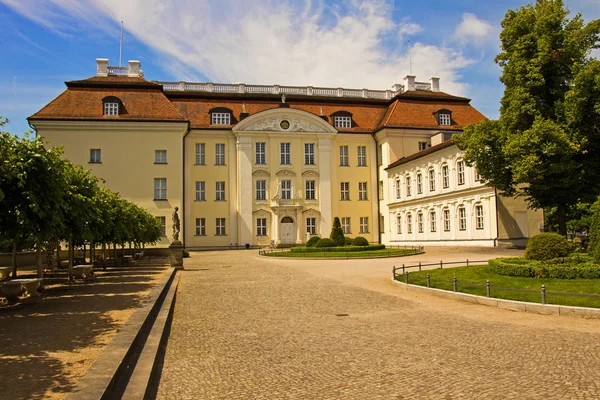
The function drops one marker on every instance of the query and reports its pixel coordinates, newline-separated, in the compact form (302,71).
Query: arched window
(111,106)
(342,119)
(443,117)
(221,116)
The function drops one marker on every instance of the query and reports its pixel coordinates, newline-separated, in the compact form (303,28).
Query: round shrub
(348,241)
(360,241)
(312,241)
(325,242)
(547,246)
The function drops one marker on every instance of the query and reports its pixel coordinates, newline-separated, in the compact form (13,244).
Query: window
(399,224)
(200,154)
(432,221)
(445,177)
(220,154)
(220,118)
(380,190)
(420,222)
(163,225)
(419,183)
(409,223)
(285,154)
(261,153)
(200,226)
(422,145)
(479,216)
(478,176)
(362,156)
(444,119)
(342,122)
(220,227)
(380,155)
(343,156)
(261,190)
(345,190)
(408,186)
(446,220)
(311,226)
(200,191)
(286,189)
(381,224)
(95,156)
(431,180)
(346,225)
(160,188)
(111,108)
(362,190)
(462,218)
(460,168)
(364,225)
(309,154)
(261,227)
(220,191)
(160,156)
(398,188)
(310,190)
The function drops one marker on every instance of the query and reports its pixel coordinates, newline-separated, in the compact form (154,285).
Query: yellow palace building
(257,165)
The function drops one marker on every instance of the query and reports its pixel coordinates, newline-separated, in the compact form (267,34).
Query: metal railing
(488,286)
(118,70)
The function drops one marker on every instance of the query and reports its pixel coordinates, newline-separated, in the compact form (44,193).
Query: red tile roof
(421,153)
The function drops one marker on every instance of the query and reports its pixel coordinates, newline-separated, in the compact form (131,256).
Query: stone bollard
(176,254)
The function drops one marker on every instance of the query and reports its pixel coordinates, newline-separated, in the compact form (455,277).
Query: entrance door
(288,231)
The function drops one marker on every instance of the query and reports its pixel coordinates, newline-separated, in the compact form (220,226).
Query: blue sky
(347,43)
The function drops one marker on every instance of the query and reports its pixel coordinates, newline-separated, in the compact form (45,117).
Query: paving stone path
(249,328)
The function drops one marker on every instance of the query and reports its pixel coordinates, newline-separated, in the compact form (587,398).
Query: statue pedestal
(176,254)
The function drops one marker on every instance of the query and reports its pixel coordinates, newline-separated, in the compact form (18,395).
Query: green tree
(545,145)
(337,233)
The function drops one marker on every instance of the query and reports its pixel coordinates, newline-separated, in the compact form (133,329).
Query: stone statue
(283,99)
(176,225)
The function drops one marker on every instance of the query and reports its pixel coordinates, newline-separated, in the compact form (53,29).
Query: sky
(337,43)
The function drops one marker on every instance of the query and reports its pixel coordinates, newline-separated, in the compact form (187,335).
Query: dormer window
(110,106)
(342,119)
(220,116)
(444,117)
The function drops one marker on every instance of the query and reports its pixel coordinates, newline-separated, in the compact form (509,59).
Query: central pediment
(284,120)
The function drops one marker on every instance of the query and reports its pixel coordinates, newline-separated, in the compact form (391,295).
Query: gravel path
(247,327)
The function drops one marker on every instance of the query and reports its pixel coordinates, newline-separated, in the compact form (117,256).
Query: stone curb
(110,373)
(522,306)
(339,258)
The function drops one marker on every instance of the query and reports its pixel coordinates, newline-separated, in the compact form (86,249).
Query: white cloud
(408,28)
(473,30)
(266,41)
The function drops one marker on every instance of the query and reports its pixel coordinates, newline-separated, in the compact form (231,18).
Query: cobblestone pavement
(252,328)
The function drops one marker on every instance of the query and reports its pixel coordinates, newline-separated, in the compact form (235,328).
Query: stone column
(244,152)
(325,190)
(299,236)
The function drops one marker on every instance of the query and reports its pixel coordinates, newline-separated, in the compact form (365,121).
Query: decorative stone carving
(261,172)
(286,172)
(295,125)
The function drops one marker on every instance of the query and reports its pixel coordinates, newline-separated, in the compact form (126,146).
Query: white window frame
(432,180)
(286,153)
(362,191)
(200,154)
(422,146)
(200,226)
(261,226)
(432,221)
(445,176)
(344,191)
(462,218)
(310,190)
(220,227)
(220,191)
(346,225)
(446,215)
(95,156)
(364,225)
(220,118)
(160,156)
(362,156)
(311,225)
(478,177)
(200,191)
(160,188)
(399,224)
(398,188)
(261,190)
(460,172)
(409,224)
(420,223)
(408,186)
(163,225)
(219,153)
(286,189)
(309,154)
(344,156)
(479,216)
(444,119)
(342,121)
(260,153)
(419,183)
(111,108)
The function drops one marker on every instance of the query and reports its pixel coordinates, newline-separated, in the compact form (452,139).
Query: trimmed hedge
(342,249)
(577,266)
(337,233)
(547,246)
(348,241)
(325,242)
(360,241)
(312,241)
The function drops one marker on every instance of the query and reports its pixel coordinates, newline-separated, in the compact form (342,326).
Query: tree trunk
(14,259)
(40,269)
(114,254)
(71,256)
(561,213)
(58,254)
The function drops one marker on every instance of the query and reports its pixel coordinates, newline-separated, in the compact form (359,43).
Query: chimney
(435,83)
(398,87)
(410,82)
(101,66)
(134,68)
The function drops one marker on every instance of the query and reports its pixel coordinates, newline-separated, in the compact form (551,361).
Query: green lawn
(480,274)
(350,254)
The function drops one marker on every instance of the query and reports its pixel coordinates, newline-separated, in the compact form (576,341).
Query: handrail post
(428,280)
(406,277)
(394,272)
(441,264)
(467,262)
(454,283)
(403,270)
(488,288)
(419,266)
(543,294)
